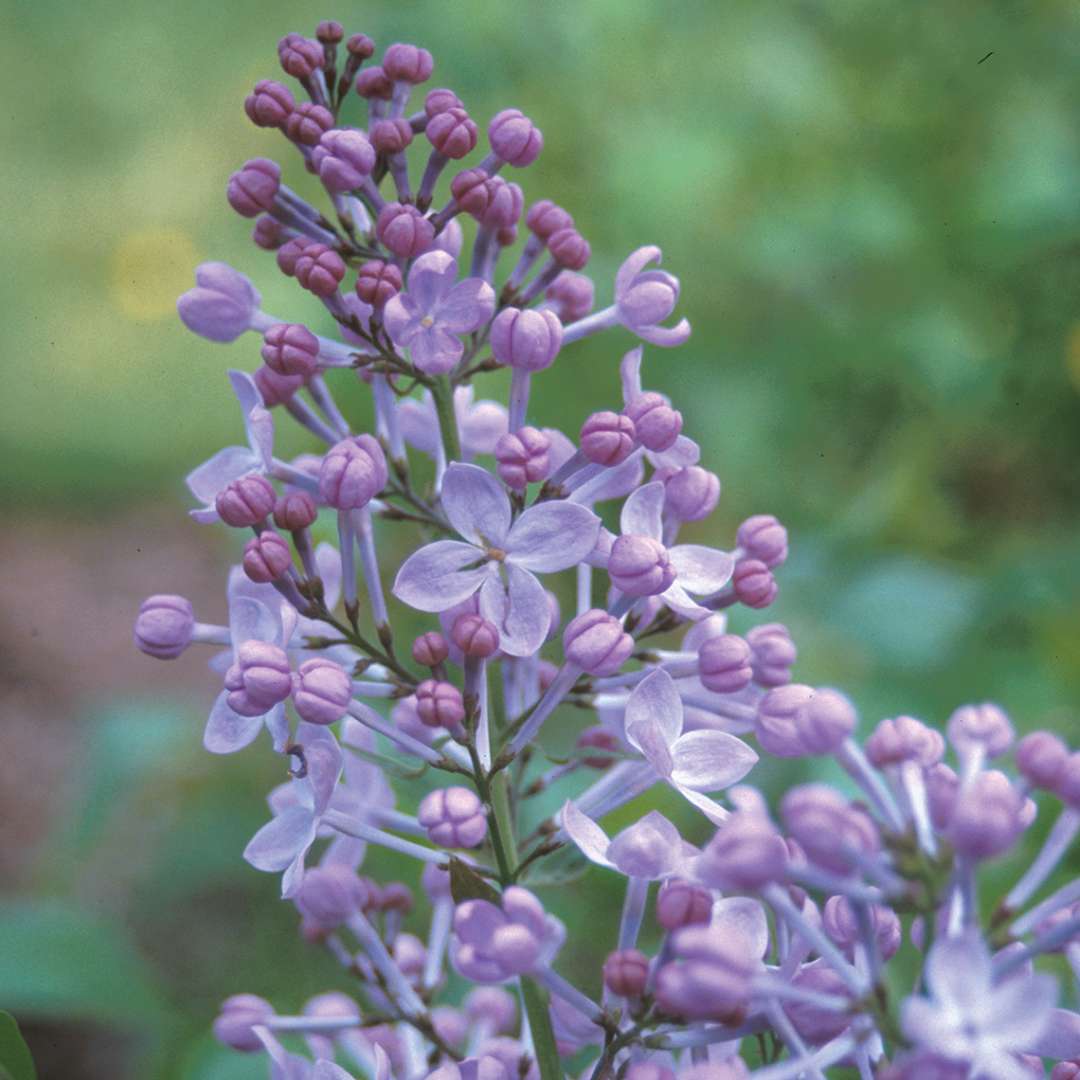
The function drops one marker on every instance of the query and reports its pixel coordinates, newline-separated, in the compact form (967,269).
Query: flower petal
(701,570)
(1059,1039)
(324,762)
(251,620)
(958,970)
(277,723)
(476,505)
(667,337)
(655,704)
(400,318)
(482,425)
(743,919)
(418,425)
(642,513)
(227,731)
(520,610)
(281,839)
(552,536)
(434,578)
(258,422)
(431,279)
(630,374)
(589,837)
(681,454)
(469,304)
(633,264)
(710,760)
(682,603)
(207,479)
(709,807)
(435,350)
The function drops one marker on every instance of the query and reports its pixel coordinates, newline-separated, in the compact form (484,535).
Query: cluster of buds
(776,935)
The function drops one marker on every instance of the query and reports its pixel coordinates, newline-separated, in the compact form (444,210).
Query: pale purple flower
(499,559)
(651,848)
(480,423)
(684,452)
(215,474)
(645,298)
(969,1019)
(692,762)
(429,317)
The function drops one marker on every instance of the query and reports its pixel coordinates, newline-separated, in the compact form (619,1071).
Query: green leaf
(559,868)
(467,884)
(15,1060)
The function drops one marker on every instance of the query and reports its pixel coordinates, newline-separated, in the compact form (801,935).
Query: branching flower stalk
(776,936)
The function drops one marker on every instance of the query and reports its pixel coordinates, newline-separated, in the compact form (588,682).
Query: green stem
(536,1007)
(443,395)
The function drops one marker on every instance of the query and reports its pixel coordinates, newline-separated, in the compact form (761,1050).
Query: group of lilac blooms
(774,939)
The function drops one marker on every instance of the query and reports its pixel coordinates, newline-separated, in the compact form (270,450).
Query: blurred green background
(873,211)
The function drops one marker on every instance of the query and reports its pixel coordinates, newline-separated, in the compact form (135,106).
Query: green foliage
(15,1060)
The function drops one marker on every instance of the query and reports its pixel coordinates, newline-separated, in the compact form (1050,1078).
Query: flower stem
(443,396)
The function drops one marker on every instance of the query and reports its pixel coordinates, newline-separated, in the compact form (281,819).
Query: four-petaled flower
(499,558)
(649,849)
(644,298)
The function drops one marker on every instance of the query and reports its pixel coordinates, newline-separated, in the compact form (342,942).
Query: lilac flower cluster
(775,936)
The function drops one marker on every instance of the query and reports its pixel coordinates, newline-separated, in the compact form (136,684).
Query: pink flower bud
(360,46)
(904,738)
(353,472)
(772,654)
(523,457)
(973,726)
(650,1070)
(545,217)
(601,739)
(269,104)
(607,438)
(396,896)
(377,282)
(245,502)
(824,721)
(374,84)
(289,254)
(222,304)
(682,903)
(391,136)
(762,537)
(266,557)
(295,510)
(470,191)
(658,425)
(275,389)
(454,817)
(745,853)
(724,664)
(526,339)
(692,493)
(164,626)
(299,57)
(1067,785)
(439,100)
(258,679)
(514,138)
(596,642)
(571,295)
(308,123)
(322,691)
(452,132)
(831,831)
(626,972)
(439,704)
(330,894)
(290,349)
(329,32)
(640,566)
(502,205)
(569,249)
(404,230)
(252,189)
(267,233)
(710,977)
(754,584)
(988,816)
(343,159)
(942,785)
(430,649)
(319,269)
(408,63)
(839,921)
(239,1014)
(475,636)
(1040,757)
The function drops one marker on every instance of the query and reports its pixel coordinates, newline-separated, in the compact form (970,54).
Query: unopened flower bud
(569,249)
(523,457)
(571,295)
(692,493)
(745,853)
(266,557)
(430,649)
(343,159)
(290,349)
(640,566)
(252,189)
(222,304)
(396,896)
(308,123)
(329,32)
(295,510)
(683,903)
(493,1007)
(238,1015)
(475,636)
(710,978)
(289,254)
(724,664)
(597,643)
(1067,785)
(435,881)
(514,138)
(330,894)
(245,501)
(408,63)
(377,282)
(439,704)
(267,233)
(164,626)
(452,132)
(470,190)
(601,739)
(269,104)
(374,84)
(754,584)
(772,654)
(439,100)
(904,738)
(275,389)
(526,339)
(259,678)
(299,56)
(988,816)
(454,817)
(831,831)
(360,46)
(391,135)
(322,691)
(775,723)
(1040,757)
(626,971)
(839,921)
(942,786)
(353,472)
(545,217)
(657,424)
(980,726)
(762,537)
(607,438)
(404,230)
(319,269)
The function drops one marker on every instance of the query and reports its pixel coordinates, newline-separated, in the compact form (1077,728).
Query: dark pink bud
(408,63)
(988,816)
(330,894)
(238,1016)
(343,159)
(353,472)
(601,739)
(596,642)
(985,727)
(245,502)
(360,46)
(839,921)
(439,101)
(514,138)
(322,691)
(451,131)
(503,204)
(320,269)
(267,233)
(525,338)
(266,557)
(252,189)
(269,104)
(1040,757)
(454,817)
(470,191)
(745,853)
(831,831)
(164,626)
(572,296)
(290,349)
(299,56)
(329,32)
(523,457)
(658,425)
(1067,786)
(275,389)
(691,494)
(903,738)
(373,83)
(569,249)
(391,136)
(824,721)
(295,510)
(818,1025)
(404,230)
(289,253)
(396,896)
(724,664)
(639,566)
(439,704)
(258,679)
(377,281)
(682,903)
(773,654)
(607,438)
(430,649)
(754,584)
(308,122)
(762,537)
(475,636)
(626,972)
(1065,1070)
(545,217)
